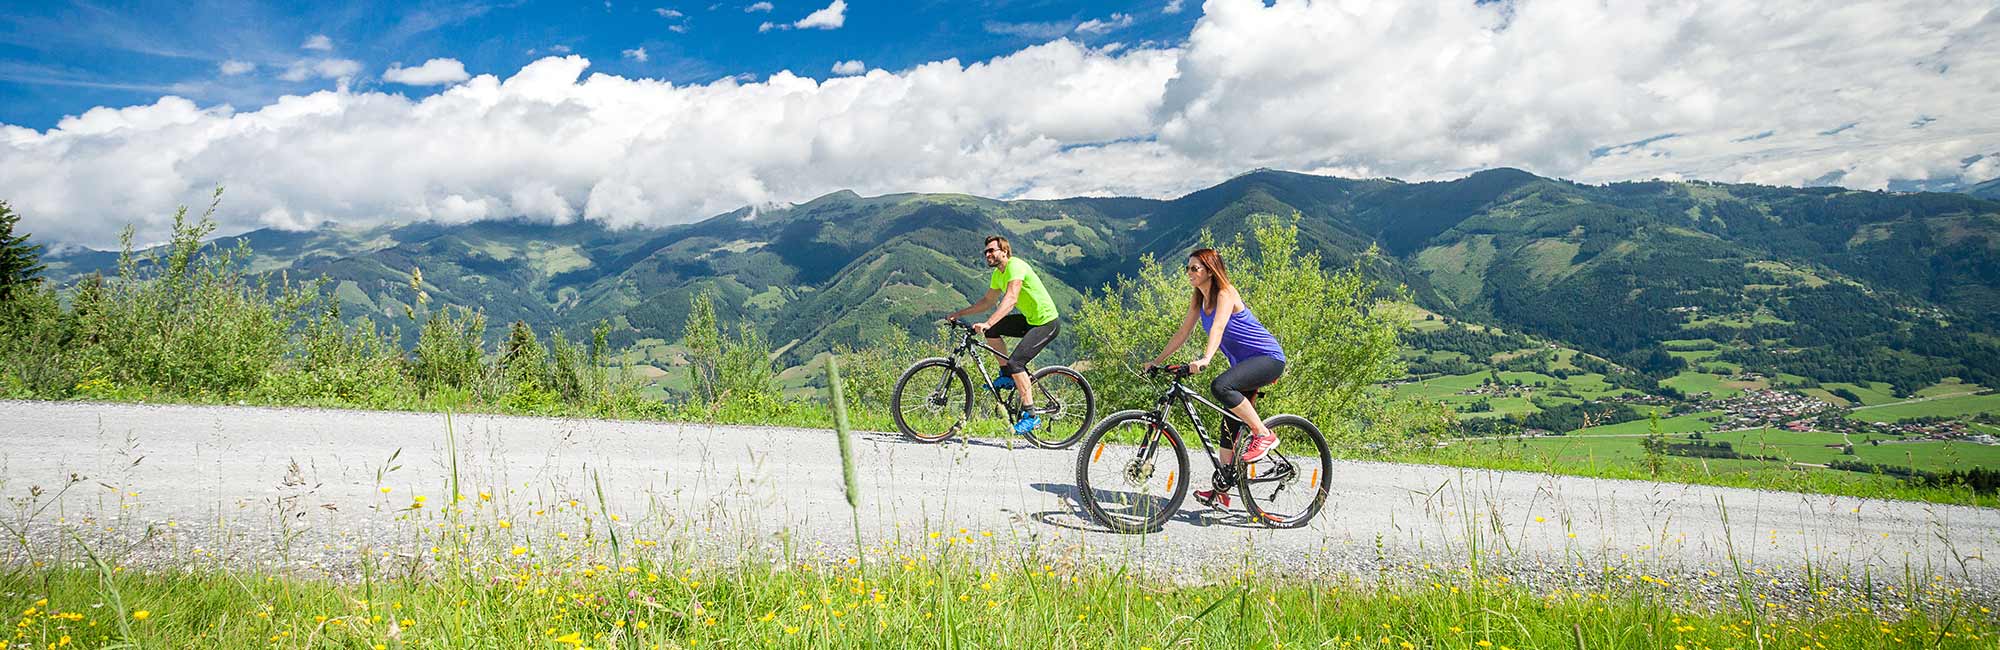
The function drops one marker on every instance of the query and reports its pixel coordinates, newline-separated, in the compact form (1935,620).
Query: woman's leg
(1229,388)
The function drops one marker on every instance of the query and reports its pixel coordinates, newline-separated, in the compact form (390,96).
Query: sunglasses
(1193,268)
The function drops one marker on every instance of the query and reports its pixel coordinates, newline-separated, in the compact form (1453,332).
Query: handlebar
(1176,370)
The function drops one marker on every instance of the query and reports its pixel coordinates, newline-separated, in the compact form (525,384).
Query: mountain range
(1884,282)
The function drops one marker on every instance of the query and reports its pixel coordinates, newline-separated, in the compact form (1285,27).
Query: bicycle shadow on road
(1074,517)
(996,443)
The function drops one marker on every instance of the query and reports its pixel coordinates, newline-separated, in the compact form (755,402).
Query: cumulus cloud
(318,42)
(432,73)
(1435,89)
(761,6)
(1105,26)
(849,67)
(832,17)
(637,54)
(1861,92)
(234,67)
(1173,7)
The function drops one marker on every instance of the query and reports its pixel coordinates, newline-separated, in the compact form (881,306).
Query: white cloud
(768,26)
(849,68)
(234,67)
(761,6)
(1105,26)
(1434,89)
(341,70)
(1418,91)
(832,17)
(1173,7)
(667,13)
(318,42)
(637,54)
(1039,31)
(560,49)
(432,73)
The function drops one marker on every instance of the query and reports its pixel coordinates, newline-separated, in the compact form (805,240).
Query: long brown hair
(1218,279)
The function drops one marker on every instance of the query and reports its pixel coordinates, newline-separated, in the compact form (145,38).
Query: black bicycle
(933,399)
(1125,484)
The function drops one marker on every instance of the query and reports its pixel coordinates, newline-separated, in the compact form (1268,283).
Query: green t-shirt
(1033,301)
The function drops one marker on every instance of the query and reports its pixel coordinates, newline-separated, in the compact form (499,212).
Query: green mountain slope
(1905,283)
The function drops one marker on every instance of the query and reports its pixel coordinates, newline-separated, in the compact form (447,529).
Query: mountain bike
(933,399)
(1127,484)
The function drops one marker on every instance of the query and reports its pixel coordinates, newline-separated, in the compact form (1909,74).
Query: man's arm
(983,302)
(1006,305)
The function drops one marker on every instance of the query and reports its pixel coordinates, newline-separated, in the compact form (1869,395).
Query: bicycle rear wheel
(932,401)
(1132,488)
(1286,487)
(1066,401)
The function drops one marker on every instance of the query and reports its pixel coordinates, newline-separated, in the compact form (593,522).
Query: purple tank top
(1243,337)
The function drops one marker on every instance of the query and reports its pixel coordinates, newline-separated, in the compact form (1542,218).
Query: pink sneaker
(1258,446)
(1213,498)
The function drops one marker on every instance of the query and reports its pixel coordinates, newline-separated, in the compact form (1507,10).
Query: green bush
(451,353)
(34,332)
(184,319)
(870,373)
(336,363)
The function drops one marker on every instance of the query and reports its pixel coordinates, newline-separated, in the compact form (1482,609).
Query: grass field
(1945,406)
(1624,458)
(1949,386)
(1681,424)
(1718,387)
(559,598)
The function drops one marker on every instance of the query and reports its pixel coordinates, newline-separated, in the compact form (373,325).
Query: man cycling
(1012,284)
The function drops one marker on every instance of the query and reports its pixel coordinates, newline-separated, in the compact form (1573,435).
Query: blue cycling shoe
(1028,423)
(1001,383)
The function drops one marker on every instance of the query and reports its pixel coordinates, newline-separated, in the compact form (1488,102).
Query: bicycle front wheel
(1067,407)
(932,401)
(1131,472)
(1286,487)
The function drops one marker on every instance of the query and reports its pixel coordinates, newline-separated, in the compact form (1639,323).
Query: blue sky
(64,57)
(317,113)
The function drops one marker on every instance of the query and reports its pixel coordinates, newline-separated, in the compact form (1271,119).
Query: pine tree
(20,261)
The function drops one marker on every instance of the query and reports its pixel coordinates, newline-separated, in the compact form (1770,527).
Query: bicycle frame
(1178,393)
(967,340)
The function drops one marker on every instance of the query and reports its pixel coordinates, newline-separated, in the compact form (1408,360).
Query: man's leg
(1032,342)
(1013,325)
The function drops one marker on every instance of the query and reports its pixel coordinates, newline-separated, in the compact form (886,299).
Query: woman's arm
(1225,305)
(1180,336)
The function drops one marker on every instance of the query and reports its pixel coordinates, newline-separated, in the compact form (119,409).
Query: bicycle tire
(938,402)
(1061,388)
(1311,470)
(1097,450)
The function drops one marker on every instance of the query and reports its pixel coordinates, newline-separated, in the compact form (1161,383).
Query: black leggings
(1230,386)
(1254,373)
(1033,339)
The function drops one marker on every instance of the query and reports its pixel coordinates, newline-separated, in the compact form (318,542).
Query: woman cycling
(1255,360)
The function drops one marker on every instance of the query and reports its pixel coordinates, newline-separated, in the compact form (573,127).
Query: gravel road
(299,487)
